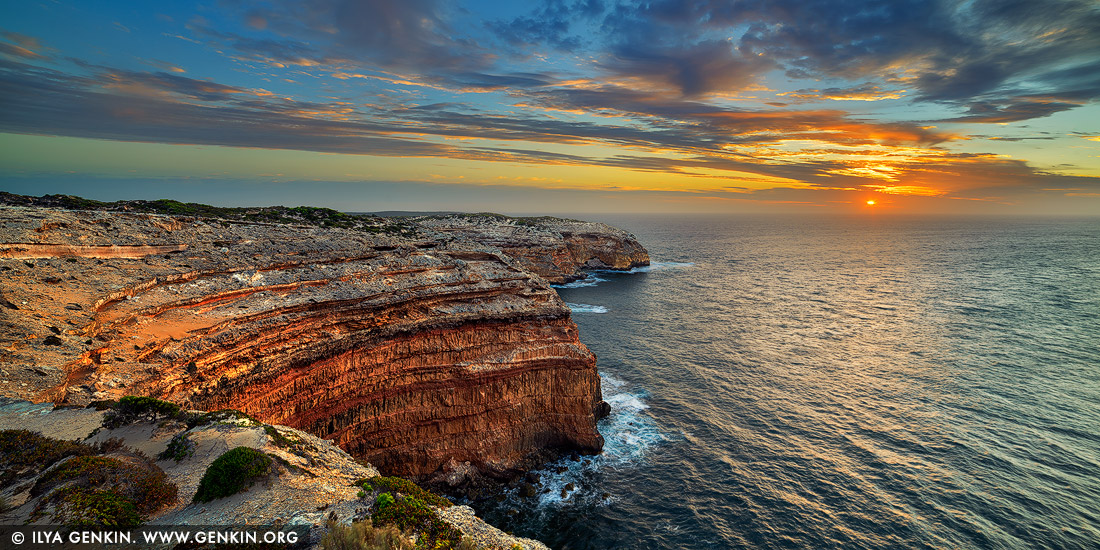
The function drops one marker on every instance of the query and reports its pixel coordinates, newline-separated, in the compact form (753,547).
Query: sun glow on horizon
(870,202)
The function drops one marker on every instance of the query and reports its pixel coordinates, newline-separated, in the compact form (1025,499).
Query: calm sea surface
(838,383)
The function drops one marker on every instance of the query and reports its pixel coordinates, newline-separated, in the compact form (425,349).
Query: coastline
(184,309)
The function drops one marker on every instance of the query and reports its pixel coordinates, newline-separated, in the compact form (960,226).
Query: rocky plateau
(411,345)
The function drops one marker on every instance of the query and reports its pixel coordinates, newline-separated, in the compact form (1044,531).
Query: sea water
(818,383)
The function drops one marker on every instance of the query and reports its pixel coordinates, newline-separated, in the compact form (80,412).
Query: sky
(921,106)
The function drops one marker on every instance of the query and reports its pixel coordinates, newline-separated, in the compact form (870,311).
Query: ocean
(837,382)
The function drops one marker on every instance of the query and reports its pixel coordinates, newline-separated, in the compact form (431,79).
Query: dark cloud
(947,50)
(22,46)
(410,35)
(691,71)
(550,24)
(1012,110)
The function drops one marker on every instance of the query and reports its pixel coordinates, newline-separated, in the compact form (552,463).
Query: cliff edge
(411,346)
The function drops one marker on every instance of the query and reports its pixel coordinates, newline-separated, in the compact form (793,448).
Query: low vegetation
(179,448)
(398,485)
(403,505)
(223,416)
(134,408)
(232,472)
(280,440)
(119,490)
(364,535)
(304,215)
(23,452)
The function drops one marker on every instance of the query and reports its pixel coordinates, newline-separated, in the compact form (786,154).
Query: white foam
(586,308)
(629,434)
(590,280)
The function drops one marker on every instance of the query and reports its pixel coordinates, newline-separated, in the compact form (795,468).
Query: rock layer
(556,249)
(408,352)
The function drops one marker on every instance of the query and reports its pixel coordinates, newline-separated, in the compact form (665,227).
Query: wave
(586,308)
(589,280)
(629,432)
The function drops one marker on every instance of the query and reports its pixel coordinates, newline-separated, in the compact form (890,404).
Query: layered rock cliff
(408,349)
(557,249)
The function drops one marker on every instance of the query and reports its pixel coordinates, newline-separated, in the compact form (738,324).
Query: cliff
(409,348)
(556,249)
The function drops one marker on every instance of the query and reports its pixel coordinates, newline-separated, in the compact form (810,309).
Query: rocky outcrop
(311,481)
(406,350)
(557,249)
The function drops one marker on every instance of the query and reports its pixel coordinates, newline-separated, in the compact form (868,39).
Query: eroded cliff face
(406,351)
(557,249)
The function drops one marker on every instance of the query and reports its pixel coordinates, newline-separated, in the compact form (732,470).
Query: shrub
(232,472)
(280,440)
(223,415)
(26,452)
(134,408)
(403,486)
(179,448)
(102,490)
(83,506)
(408,513)
(363,535)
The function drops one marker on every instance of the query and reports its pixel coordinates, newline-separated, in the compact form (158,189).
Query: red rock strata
(408,353)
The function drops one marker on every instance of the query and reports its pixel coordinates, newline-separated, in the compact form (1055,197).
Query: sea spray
(586,308)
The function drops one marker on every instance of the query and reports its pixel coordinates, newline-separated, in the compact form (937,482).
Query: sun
(871,202)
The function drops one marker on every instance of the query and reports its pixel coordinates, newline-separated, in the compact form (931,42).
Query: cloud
(691,71)
(945,50)
(863,92)
(1013,110)
(21,46)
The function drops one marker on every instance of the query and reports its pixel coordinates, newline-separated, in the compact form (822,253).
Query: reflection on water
(843,383)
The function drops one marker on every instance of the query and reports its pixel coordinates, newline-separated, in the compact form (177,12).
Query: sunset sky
(922,106)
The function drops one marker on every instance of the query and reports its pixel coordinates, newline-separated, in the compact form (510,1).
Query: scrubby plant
(409,513)
(219,416)
(82,506)
(280,440)
(398,485)
(103,490)
(179,448)
(232,472)
(133,408)
(363,535)
(26,452)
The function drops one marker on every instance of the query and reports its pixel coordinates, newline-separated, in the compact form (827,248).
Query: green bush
(409,513)
(133,408)
(232,472)
(179,448)
(398,485)
(83,506)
